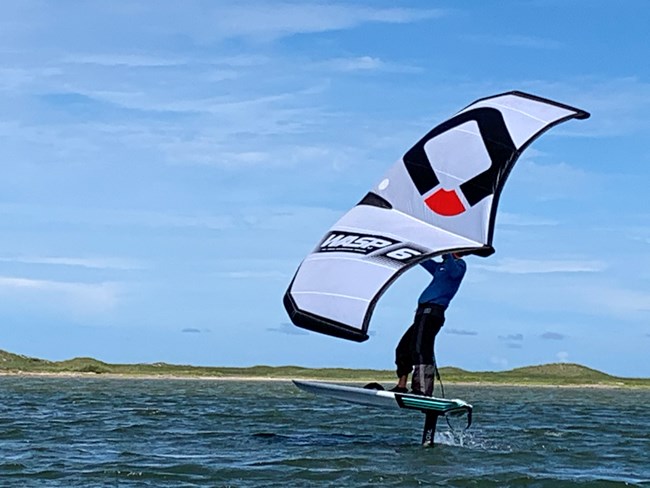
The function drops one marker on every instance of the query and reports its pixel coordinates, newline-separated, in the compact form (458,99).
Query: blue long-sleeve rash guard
(447,277)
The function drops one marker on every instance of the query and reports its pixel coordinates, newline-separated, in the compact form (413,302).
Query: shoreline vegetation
(555,374)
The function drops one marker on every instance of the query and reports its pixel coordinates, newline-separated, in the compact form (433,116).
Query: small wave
(311,462)
(267,435)
(12,466)
(10,434)
(124,429)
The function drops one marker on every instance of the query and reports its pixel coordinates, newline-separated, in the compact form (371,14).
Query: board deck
(385,398)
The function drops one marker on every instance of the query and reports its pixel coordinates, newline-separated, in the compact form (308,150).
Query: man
(414,352)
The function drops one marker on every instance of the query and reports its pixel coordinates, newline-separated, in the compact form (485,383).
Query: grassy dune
(564,374)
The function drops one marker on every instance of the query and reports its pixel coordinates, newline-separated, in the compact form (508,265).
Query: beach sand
(27,374)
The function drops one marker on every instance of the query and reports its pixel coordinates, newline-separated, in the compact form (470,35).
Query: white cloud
(254,275)
(13,78)
(529,42)
(242,60)
(269,21)
(587,294)
(519,220)
(97,263)
(527,266)
(552,181)
(288,329)
(125,60)
(119,218)
(499,362)
(199,21)
(638,233)
(616,300)
(618,106)
(365,63)
(562,356)
(183,103)
(78,298)
(362,63)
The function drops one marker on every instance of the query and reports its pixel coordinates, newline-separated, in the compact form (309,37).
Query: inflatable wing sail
(441,196)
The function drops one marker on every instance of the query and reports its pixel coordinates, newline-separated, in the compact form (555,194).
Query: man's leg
(422,380)
(427,325)
(403,360)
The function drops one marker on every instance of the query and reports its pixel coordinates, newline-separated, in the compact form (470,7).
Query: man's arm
(456,267)
(430,265)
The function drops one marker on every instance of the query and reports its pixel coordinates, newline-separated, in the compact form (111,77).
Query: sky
(167,165)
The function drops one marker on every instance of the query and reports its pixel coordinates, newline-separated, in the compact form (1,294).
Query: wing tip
(322,325)
(579,113)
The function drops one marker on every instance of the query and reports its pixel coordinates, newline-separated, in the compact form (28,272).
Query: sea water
(103,432)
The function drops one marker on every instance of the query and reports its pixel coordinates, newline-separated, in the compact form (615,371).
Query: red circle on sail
(445,203)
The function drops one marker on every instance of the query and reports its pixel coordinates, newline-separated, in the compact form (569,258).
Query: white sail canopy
(441,196)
